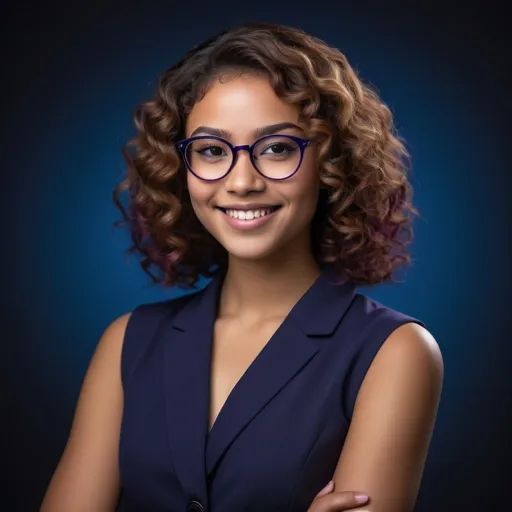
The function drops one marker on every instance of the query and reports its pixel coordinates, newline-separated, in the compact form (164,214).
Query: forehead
(240,105)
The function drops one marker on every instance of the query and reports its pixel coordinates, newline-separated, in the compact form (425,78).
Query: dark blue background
(71,77)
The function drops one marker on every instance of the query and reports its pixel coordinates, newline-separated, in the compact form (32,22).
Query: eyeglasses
(276,157)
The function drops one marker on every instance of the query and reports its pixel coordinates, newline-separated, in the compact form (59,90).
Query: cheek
(200,193)
(306,188)
(200,197)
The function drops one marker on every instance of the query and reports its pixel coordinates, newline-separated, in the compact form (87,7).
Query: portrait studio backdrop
(72,77)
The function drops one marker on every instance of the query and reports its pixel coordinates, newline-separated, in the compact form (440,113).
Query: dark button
(195,506)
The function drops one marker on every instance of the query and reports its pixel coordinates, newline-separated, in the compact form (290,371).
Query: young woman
(265,163)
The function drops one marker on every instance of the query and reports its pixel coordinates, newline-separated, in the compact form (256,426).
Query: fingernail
(361,498)
(328,486)
(326,490)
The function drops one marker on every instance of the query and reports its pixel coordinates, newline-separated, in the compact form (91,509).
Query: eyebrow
(259,132)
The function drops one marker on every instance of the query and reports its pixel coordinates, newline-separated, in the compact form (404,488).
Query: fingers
(328,501)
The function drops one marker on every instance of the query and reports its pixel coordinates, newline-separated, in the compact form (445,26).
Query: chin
(250,252)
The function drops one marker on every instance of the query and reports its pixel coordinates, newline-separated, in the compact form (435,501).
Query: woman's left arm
(387,443)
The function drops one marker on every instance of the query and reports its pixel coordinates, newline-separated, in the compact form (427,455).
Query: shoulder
(374,312)
(382,338)
(114,332)
(403,336)
(404,343)
(412,341)
(164,308)
(411,355)
(138,330)
(378,325)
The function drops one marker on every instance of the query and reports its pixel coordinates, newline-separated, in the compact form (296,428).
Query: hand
(329,501)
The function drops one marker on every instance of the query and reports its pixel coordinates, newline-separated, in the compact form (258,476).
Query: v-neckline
(196,448)
(242,376)
(218,290)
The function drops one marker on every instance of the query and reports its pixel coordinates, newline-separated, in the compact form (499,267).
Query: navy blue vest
(277,440)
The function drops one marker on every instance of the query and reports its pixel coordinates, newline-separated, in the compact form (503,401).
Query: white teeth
(248,214)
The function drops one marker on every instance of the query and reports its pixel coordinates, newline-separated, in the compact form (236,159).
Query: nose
(243,177)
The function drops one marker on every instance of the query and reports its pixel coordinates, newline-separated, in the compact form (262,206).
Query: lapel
(187,373)
(186,361)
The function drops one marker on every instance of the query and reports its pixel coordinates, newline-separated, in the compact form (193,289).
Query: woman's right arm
(87,476)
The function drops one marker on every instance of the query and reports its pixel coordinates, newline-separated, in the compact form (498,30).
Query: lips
(248,219)
(249,207)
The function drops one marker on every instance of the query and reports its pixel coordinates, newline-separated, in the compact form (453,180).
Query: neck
(266,289)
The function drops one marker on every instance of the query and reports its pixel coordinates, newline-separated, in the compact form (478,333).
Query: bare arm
(87,476)
(386,447)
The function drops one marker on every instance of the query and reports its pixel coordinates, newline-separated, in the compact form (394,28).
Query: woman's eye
(276,149)
(211,151)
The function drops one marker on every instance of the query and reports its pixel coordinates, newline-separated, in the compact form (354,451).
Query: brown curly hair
(364,216)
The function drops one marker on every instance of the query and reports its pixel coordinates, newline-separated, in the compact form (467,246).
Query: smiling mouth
(252,214)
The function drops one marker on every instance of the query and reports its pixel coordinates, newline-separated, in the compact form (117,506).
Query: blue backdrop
(73,77)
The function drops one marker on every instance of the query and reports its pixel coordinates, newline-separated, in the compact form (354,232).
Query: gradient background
(71,77)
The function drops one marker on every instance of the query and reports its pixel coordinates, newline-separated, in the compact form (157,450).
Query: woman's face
(239,108)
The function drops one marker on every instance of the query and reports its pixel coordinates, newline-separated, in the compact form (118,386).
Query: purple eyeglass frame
(182,147)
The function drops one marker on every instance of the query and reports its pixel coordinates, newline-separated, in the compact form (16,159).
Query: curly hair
(363,221)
